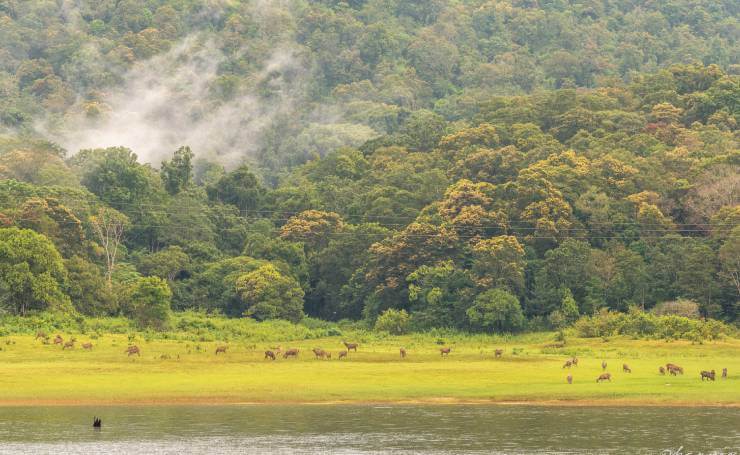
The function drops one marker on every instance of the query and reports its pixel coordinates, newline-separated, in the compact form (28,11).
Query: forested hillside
(485,166)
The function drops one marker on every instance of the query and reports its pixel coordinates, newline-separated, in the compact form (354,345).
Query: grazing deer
(342,354)
(626,368)
(603,365)
(69,344)
(293,352)
(498,353)
(58,339)
(707,374)
(319,353)
(402,351)
(350,346)
(605,377)
(574,361)
(673,369)
(570,379)
(661,370)
(270,355)
(131,350)
(87,346)
(568,364)
(724,373)
(221,349)
(444,351)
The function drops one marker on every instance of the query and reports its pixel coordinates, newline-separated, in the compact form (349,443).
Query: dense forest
(478,165)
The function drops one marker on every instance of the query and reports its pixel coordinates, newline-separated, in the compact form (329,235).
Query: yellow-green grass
(529,371)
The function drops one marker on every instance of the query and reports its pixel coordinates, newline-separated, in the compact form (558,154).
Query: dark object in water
(97,423)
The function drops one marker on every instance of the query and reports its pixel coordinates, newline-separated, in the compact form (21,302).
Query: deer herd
(320,354)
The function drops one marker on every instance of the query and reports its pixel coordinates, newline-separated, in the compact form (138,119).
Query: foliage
(268,294)
(395,322)
(408,155)
(148,303)
(496,310)
(640,324)
(32,274)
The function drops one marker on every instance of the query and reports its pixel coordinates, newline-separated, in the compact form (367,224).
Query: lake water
(370,429)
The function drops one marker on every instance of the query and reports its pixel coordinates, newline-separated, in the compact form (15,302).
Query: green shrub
(648,325)
(395,322)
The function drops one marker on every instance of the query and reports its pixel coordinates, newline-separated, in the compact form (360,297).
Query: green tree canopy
(32,274)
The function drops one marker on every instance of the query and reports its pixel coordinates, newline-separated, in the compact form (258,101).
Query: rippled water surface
(443,429)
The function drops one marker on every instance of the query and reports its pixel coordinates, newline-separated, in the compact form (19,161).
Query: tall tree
(177,174)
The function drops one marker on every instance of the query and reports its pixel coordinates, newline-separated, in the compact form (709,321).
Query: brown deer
(69,344)
(270,355)
(574,361)
(350,346)
(328,356)
(42,335)
(293,352)
(626,368)
(58,339)
(570,379)
(402,351)
(724,373)
(568,364)
(498,353)
(221,349)
(673,368)
(319,353)
(707,374)
(605,377)
(87,346)
(603,365)
(131,350)
(444,351)
(342,355)
(661,370)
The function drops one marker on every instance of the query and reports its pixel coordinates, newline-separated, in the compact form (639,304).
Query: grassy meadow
(531,369)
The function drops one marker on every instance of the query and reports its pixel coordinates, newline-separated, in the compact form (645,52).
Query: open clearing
(530,370)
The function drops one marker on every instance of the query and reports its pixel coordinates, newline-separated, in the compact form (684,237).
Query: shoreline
(412,402)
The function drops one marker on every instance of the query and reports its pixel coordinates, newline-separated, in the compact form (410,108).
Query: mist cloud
(168,101)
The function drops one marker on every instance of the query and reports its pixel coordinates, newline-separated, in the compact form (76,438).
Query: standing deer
(342,355)
(673,369)
(444,351)
(568,364)
(402,351)
(498,353)
(41,334)
(574,361)
(293,352)
(221,349)
(350,346)
(69,344)
(626,368)
(724,373)
(605,377)
(131,350)
(707,374)
(87,346)
(270,355)
(661,370)
(58,339)
(570,379)
(319,353)
(603,365)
